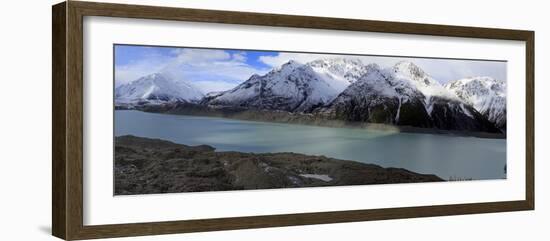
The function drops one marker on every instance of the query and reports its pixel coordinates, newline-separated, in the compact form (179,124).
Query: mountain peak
(485,94)
(156,75)
(479,82)
(254,76)
(372,67)
(291,63)
(156,88)
(409,68)
(345,89)
(339,72)
(287,67)
(150,77)
(336,61)
(480,79)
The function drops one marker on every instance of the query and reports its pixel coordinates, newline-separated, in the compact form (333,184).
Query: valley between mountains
(168,137)
(336,92)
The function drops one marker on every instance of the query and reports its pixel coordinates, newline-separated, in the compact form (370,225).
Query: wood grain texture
(75,120)
(139,229)
(263,19)
(59,193)
(67,136)
(530,120)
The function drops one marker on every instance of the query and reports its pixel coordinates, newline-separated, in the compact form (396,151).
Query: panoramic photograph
(192,119)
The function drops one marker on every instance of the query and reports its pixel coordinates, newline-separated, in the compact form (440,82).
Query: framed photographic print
(171,120)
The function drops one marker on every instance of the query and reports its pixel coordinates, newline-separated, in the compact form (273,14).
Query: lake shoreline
(147,166)
(469,157)
(293,118)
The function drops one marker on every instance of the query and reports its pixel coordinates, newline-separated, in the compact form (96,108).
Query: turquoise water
(443,155)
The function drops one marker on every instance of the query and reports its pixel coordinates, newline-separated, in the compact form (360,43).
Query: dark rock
(145,166)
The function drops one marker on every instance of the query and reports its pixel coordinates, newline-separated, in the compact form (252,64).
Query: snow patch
(322,177)
(466,111)
(156,88)
(485,94)
(398,111)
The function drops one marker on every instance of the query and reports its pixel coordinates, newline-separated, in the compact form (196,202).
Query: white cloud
(204,67)
(218,70)
(139,68)
(448,70)
(207,86)
(192,56)
(207,69)
(240,56)
(127,73)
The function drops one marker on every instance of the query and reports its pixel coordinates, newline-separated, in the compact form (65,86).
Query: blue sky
(208,69)
(128,54)
(218,69)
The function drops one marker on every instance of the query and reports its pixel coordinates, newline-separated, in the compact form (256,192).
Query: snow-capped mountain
(379,97)
(339,72)
(413,74)
(345,89)
(293,87)
(156,88)
(485,94)
(404,95)
(446,109)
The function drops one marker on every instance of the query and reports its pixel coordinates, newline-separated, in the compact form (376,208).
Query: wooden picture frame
(67,137)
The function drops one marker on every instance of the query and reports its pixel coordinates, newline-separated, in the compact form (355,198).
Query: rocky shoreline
(147,166)
(185,108)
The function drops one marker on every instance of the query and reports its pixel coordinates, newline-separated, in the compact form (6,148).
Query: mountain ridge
(156,88)
(346,89)
(293,87)
(486,94)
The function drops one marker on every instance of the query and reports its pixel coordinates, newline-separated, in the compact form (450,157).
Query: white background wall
(25,122)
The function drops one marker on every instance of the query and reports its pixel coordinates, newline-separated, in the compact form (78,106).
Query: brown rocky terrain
(146,166)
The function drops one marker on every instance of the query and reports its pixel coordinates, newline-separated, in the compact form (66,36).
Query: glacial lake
(443,155)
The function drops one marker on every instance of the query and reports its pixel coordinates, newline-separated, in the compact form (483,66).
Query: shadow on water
(443,155)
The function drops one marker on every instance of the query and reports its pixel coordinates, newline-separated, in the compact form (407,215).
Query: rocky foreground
(146,166)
